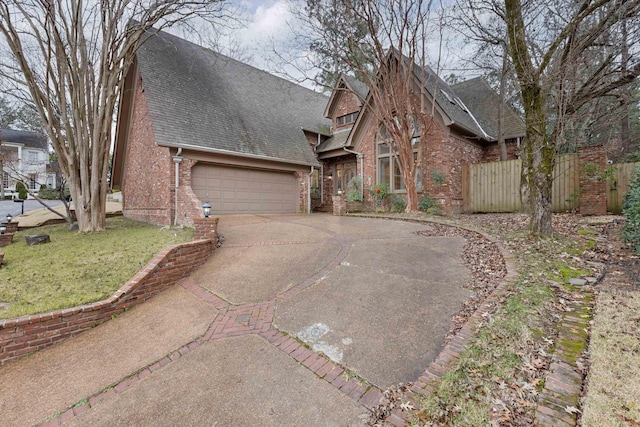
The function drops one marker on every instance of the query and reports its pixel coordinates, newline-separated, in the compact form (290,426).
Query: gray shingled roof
(201,98)
(336,141)
(361,89)
(27,138)
(461,114)
(484,102)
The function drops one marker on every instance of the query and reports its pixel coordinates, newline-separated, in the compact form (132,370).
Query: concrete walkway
(296,320)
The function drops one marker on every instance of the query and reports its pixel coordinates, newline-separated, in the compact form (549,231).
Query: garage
(233,190)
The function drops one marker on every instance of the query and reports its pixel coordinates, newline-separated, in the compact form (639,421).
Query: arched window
(388,167)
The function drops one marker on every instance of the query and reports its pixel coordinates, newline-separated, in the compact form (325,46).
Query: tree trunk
(502,145)
(539,153)
(1,177)
(540,179)
(412,194)
(625,96)
(90,207)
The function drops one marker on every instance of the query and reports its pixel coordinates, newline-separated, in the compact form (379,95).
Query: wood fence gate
(619,184)
(495,187)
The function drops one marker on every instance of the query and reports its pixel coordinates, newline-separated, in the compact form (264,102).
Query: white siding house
(25,156)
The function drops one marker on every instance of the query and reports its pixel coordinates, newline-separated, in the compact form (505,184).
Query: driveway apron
(295,320)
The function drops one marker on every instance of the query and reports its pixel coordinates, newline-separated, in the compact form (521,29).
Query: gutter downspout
(309,191)
(321,178)
(177,160)
(361,157)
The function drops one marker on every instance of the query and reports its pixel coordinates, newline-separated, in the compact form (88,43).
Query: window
(346,119)
(315,184)
(344,173)
(33,185)
(389,172)
(32,156)
(6,180)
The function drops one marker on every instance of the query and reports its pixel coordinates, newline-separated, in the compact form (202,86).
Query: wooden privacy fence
(495,187)
(618,185)
(492,187)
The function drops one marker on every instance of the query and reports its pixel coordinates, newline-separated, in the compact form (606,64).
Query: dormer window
(346,119)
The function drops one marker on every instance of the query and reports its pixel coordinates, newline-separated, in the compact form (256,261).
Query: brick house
(195,126)
(464,130)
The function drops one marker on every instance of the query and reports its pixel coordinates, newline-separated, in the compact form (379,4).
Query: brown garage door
(238,190)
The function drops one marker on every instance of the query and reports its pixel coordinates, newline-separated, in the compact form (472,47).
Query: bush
(22,190)
(631,212)
(353,189)
(48,193)
(430,206)
(379,191)
(398,205)
(427,203)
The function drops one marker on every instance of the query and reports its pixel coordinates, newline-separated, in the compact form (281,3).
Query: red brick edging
(23,335)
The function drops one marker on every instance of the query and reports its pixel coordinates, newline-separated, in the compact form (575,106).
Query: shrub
(430,206)
(22,190)
(48,193)
(379,191)
(427,203)
(631,212)
(353,189)
(398,205)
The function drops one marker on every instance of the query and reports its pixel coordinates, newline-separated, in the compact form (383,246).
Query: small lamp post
(339,192)
(3,229)
(9,218)
(206,209)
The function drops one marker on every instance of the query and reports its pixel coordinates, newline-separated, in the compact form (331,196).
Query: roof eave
(318,131)
(238,154)
(485,137)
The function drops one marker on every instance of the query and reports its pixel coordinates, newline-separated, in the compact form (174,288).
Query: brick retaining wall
(23,335)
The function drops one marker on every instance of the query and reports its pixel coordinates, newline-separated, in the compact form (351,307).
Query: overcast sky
(267,27)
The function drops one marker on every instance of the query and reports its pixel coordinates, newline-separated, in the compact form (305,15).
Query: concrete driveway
(296,320)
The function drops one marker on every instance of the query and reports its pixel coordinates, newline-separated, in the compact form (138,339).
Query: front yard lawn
(77,268)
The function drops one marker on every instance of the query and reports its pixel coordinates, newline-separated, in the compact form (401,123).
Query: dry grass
(77,268)
(613,397)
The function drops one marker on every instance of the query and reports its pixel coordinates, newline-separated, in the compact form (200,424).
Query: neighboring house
(195,126)
(25,157)
(240,138)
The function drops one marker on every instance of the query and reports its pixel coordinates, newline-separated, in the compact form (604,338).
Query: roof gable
(346,85)
(200,98)
(470,106)
(450,103)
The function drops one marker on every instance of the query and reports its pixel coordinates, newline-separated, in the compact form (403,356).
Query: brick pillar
(12,227)
(6,239)
(339,205)
(593,189)
(206,228)
(1,259)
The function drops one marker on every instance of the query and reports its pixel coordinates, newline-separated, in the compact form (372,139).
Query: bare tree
(70,57)
(383,44)
(550,45)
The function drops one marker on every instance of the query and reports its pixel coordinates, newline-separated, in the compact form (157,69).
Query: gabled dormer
(345,103)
